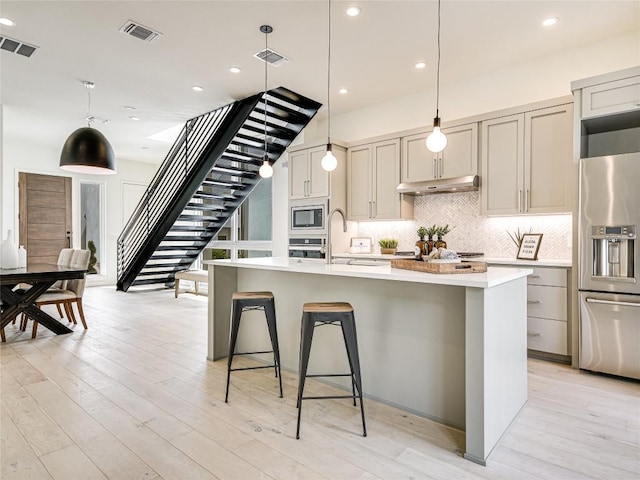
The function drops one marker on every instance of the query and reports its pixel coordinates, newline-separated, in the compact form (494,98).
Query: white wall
(22,156)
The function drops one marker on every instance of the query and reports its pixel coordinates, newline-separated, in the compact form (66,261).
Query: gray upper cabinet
(526,162)
(459,158)
(611,97)
(307,179)
(373,173)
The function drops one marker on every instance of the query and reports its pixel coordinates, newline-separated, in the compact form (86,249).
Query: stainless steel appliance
(308,248)
(609,273)
(308,217)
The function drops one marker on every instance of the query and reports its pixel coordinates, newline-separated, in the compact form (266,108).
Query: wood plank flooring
(133,398)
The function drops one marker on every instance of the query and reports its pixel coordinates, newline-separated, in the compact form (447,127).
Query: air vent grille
(16,46)
(139,31)
(271,57)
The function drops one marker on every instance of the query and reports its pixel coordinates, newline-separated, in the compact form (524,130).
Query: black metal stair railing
(209,171)
(172,177)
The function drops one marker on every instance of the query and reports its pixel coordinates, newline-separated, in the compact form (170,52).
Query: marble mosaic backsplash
(471,232)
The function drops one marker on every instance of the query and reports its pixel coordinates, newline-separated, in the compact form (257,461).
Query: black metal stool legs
(242,302)
(310,320)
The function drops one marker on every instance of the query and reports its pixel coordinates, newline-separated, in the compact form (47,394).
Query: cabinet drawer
(547,302)
(610,98)
(547,335)
(548,276)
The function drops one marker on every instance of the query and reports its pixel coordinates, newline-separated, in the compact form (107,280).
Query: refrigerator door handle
(611,302)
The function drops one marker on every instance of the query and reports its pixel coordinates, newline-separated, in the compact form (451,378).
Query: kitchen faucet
(344,227)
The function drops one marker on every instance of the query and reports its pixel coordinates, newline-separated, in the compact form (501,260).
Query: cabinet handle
(526,200)
(374,211)
(534,301)
(369,209)
(533,334)
(308,187)
(440,167)
(435,174)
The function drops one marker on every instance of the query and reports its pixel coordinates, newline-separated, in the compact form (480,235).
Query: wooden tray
(427,267)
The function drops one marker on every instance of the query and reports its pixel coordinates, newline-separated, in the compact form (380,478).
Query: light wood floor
(133,397)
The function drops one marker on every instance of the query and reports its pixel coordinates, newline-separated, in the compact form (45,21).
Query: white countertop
(542,262)
(493,277)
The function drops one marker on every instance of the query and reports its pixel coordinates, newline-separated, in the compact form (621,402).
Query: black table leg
(24,302)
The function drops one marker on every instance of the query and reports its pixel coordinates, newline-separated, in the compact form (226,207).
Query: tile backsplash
(471,232)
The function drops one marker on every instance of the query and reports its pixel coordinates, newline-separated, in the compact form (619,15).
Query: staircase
(209,171)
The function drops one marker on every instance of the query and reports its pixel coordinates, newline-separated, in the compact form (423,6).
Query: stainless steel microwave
(308,217)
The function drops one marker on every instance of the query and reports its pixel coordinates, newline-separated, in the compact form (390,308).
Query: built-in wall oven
(308,217)
(307,248)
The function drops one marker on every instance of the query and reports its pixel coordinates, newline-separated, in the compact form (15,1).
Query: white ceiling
(372,55)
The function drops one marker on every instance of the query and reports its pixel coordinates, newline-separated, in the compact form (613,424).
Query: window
(247,234)
(91,223)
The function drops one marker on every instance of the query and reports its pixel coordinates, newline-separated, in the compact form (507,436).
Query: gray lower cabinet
(548,316)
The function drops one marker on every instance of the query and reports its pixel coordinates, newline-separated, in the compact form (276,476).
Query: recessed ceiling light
(549,21)
(343,91)
(235,69)
(129,107)
(421,65)
(7,22)
(135,118)
(197,88)
(144,148)
(353,11)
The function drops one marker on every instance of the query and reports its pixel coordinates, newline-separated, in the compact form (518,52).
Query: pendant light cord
(329,79)
(89,117)
(438,68)
(266,101)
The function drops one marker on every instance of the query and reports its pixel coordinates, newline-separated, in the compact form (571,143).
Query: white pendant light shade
(436,141)
(329,162)
(266,170)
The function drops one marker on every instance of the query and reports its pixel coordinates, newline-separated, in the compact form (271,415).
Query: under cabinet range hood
(441,185)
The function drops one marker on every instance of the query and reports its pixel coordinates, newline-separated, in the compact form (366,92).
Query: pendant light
(329,162)
(266,170)
(87,150)
(436,141)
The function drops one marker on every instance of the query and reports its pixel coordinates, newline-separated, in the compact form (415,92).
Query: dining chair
(70,294)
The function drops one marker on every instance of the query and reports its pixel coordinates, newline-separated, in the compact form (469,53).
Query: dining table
(40,277)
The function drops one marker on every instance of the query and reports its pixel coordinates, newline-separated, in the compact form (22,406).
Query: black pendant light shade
(88,151)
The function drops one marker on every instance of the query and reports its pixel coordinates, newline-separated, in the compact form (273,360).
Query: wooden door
(45,216)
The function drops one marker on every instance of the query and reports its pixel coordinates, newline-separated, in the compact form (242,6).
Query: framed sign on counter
(529,247)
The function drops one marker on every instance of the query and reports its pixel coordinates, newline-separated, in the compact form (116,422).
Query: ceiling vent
(16,46)
(139,31)
(271,57)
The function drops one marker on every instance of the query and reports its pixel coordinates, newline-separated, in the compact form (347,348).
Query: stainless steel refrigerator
(609,269)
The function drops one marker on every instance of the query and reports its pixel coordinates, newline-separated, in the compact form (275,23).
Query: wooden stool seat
(327,307)
(251,295)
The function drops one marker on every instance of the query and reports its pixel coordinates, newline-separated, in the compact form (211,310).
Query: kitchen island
(452,348)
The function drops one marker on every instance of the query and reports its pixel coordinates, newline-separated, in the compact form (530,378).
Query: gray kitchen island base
(448,347)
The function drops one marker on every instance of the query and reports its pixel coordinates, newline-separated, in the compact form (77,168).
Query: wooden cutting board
(429,267)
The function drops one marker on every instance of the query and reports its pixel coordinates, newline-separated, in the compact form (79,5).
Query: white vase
(22,257)
(9,253)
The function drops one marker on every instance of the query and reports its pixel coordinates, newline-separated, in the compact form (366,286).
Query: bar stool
(243,302)
(330,313)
